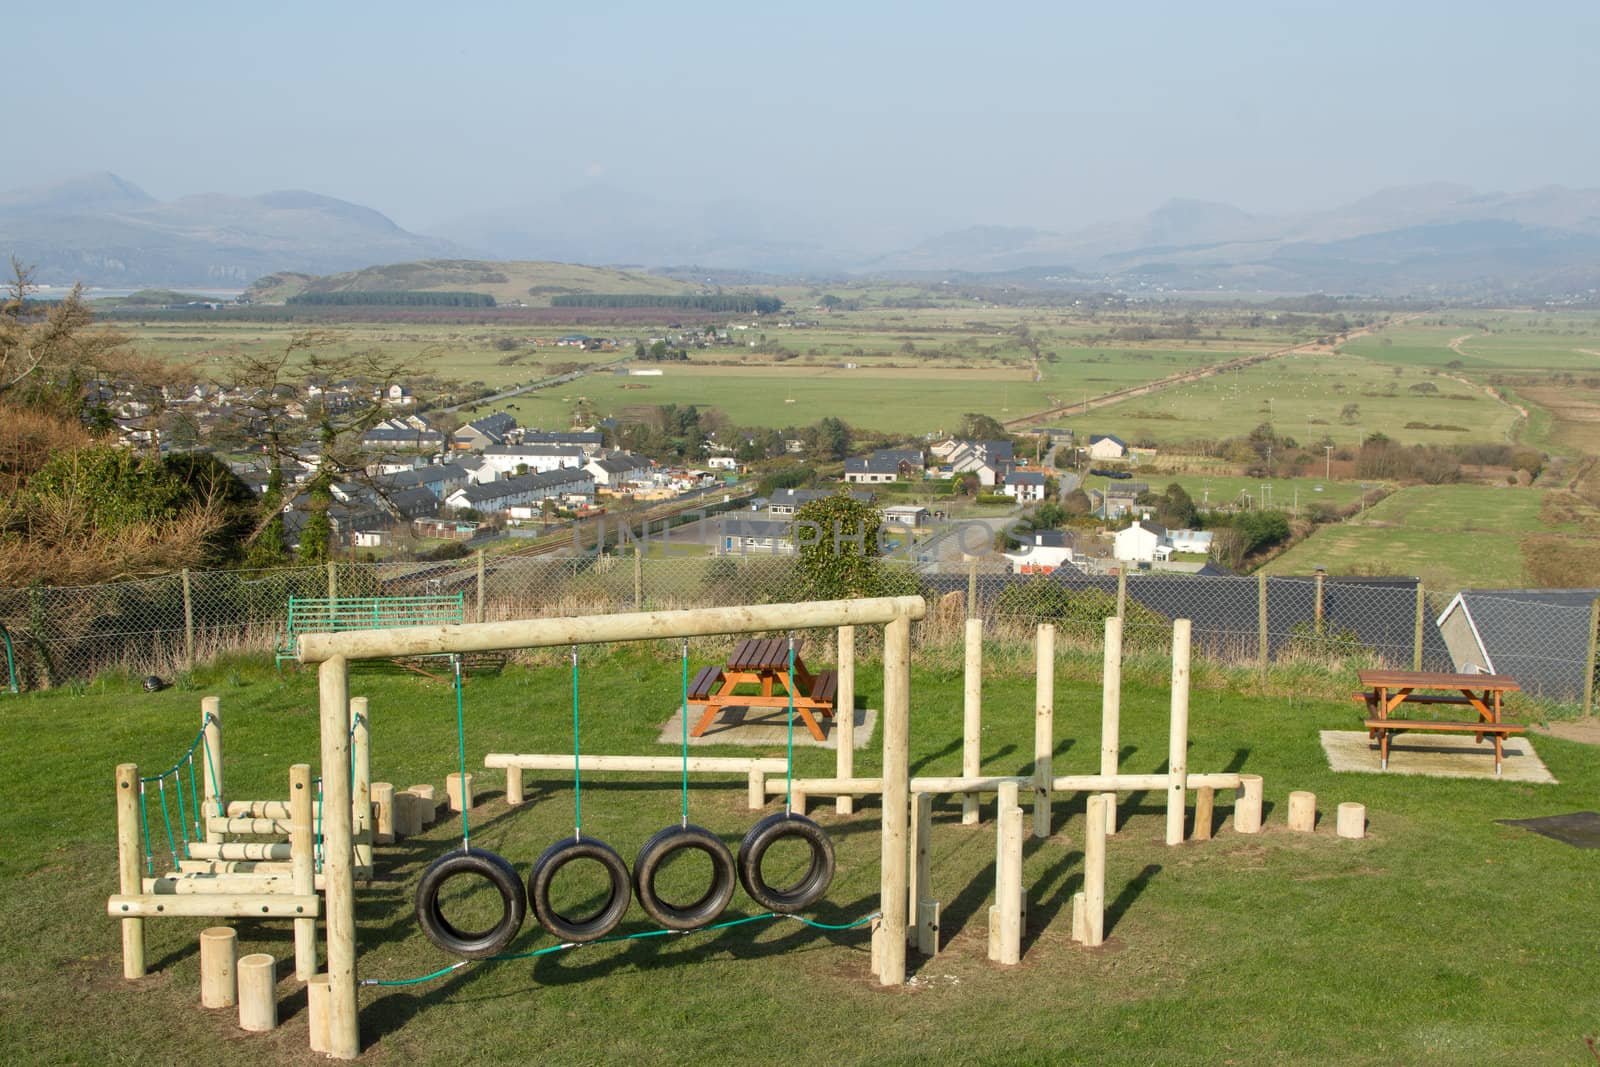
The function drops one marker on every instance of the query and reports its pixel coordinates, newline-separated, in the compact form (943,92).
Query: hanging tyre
(473,863)
(808,889)
(610,912)
(656,852)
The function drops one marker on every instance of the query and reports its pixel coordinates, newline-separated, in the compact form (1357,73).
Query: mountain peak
(97,191)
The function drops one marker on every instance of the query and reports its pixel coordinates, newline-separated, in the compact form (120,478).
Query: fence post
(1122,592)
(1320,575)
(1592,664)
(188,622)
(1261,619)
(638,577)
(333,581)
(480,585)
(972,589)
(1416,635)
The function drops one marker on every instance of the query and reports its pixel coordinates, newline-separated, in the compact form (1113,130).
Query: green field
(1261,949)
(1452,536)
(1219,490)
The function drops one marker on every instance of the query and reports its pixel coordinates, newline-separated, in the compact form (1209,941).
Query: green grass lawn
(1442,937)
(1452,536)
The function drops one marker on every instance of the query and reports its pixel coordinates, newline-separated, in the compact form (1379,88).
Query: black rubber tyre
(811,885)
(497,870)
(702,912)
(609,914)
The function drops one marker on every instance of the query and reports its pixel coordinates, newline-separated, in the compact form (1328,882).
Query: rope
(577,776)
(144,819)
(565,945)
(210,765)
(194,797)
(686,732)
(172,846)
(461,751)
(183,818)
(788,785)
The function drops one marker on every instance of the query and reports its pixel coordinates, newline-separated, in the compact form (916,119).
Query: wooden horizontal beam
(271,827)
(1064,783)
(696,764)
(240,850)
(235,906)
(594,629)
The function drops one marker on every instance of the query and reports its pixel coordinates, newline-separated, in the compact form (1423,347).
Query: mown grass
(1441,937)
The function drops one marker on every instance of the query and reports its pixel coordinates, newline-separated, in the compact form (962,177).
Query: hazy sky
(1049,114)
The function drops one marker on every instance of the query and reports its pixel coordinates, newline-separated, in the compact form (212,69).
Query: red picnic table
(764,663)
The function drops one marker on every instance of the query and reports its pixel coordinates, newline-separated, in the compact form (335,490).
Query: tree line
(729,302)
(393,298)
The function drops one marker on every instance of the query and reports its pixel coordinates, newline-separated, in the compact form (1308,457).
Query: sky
(921,116)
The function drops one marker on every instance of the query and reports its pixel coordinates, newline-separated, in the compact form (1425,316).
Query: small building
(739,536)
(722,463)
(617,470)
(1107,446)
(528,458)
(909,515)
(484,433)
(1143,542)
(1026,486)
(788,501)
(489,497)
(1043,552)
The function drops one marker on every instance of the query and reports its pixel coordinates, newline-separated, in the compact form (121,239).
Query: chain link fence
(165,625)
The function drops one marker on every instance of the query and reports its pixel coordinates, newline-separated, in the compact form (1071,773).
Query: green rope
(199,739)
(685,733)
(144,819)
(788,786)
(210,765)
(461,752)
(577,776)
(172,846)
(194,799)
(183,818)
(565,945)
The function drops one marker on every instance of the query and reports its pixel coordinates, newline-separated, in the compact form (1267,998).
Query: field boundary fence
(169,623)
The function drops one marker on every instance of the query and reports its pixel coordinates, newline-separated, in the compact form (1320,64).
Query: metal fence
(166,624)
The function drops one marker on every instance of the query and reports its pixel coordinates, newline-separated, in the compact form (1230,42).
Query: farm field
(1277,921)
(1215,490)
(1452,536)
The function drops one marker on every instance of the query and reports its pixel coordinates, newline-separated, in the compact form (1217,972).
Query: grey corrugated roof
(1538,636)
(489,491)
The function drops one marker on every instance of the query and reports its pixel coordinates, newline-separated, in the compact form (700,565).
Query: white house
(722,463)
(522,489)
(740,536)
(1043,552)
(1143,542)
(617,470)
(537,459)
(911,515)
(1107,446)
(1026,486)
(870,470)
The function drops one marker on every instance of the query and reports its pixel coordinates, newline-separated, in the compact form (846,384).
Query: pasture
(1240,949)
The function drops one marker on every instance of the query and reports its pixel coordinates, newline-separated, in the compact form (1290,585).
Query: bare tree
(45,353)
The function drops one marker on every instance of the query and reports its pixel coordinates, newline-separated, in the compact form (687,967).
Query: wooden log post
(1178,737)
(258,986)
(1008,886)
(972,717)
(302,862)
(219,956)
(1319,580)
(844,721)
(339,910)
(425,804)
(478,614)
(1416,633)
(1080,917)
(188,621)
(407,814)
(896,796)
(1302,811)
(211,753)
(130,856)
(1352,821)
(1111,712)
(361,782)
(383,810)
(317,991)
(1094,871)
(333,580)
(798,801)
(1263,649)
(515,794)
(1247,804)
(1591,662)
(1008,794)
(459,790)
(1044,733)
(923,909)
(1122,592)
(755,793)
(1204,801)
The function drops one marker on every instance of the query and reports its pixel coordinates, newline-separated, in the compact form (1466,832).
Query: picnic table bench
(323,615)
(764,663)
(1385,691)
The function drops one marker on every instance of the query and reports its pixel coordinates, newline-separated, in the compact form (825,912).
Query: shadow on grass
(1130,893)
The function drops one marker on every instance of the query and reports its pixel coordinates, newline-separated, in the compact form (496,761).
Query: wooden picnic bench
(1386,691)
(764,663)
(322,615)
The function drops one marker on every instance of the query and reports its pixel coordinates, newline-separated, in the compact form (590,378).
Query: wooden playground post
(343,1030)
(258,1001)
(478,616)
(1094,871)
(211,724)
(1044,733)
(1247,805)
(129,854)
(896,795)
(361,784)
(844,720)
(1008,886)
(188,621)
(972,716)
(1111,713)
(302,867)
(1178,738)
(219,960)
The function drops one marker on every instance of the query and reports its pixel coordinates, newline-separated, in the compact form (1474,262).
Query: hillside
(530,283)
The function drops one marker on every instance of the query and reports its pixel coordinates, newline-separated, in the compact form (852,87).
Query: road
(543,383)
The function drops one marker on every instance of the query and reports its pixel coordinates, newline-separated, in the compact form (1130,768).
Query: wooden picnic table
(1386,691)
(764,663)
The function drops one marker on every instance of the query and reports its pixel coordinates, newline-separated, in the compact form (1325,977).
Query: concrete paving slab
(763,728)
(1435,756)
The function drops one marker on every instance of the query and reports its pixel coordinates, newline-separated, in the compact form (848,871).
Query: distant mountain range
(1432,240)
(103,230)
